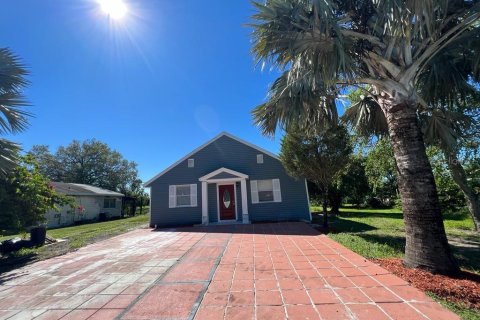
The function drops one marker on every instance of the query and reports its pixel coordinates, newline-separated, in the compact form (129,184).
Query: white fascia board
(223,170)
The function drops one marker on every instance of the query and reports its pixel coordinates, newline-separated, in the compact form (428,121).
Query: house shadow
(257,228)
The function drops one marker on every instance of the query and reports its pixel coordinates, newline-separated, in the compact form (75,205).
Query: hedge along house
(226,180)
(90,201)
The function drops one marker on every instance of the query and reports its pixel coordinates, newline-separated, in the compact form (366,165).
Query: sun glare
(116,9)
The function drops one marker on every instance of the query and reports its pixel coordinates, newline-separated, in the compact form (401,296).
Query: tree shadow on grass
(397,243)
(356,214)
(467,257)
(337,224)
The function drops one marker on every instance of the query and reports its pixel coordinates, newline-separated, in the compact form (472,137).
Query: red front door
(226,199)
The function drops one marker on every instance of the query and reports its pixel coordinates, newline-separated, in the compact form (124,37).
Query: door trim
(218,201)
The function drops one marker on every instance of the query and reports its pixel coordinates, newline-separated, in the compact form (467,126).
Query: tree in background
(25,196)
(316,157)
(450,195)
(397,49)
(352,182)
(381,173)
(90,162)
(13,118)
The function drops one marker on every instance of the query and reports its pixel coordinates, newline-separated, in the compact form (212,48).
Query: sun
(116,9)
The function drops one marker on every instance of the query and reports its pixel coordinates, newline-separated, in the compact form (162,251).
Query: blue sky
(154,86)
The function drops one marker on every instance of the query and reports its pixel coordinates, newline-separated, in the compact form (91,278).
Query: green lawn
(380,233)
(81,235)
(77,236)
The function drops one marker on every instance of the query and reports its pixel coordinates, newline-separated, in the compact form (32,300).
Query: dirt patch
(464,288)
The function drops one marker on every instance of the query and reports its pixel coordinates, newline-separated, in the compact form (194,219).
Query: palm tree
(386,48)
(447,127)
(13,118)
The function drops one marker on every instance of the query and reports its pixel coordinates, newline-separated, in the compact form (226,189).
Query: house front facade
(226,180)
(89,201)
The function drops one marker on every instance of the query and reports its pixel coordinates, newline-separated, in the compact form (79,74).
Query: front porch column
(204,203)
(243,185)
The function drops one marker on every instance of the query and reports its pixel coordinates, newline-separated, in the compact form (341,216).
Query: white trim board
(149,182)
(223,170)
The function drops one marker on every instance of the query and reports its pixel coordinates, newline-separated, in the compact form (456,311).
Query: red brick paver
(288,271)
(259,271)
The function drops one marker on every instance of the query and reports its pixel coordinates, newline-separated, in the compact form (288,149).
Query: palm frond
(286,31)
(444,128)
(296,103)
(366,118)
(13,118)
(9,156)
(12,72)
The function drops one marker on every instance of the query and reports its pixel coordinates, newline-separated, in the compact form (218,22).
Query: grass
(77,236)
(81,235)
(464,312)
(380,233)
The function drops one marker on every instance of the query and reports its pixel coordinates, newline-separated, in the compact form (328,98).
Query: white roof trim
(149,182)
(222,170)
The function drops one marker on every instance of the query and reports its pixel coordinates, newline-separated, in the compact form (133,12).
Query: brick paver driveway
(262,271)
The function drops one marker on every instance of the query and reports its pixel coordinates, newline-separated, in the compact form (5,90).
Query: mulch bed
(463,289)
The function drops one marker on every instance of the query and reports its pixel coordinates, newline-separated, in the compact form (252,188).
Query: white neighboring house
(90,201)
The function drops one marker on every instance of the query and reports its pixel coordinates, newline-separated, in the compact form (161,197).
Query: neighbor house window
(109,203)
(191,163)
(265,191)
(260,158)
(182,196)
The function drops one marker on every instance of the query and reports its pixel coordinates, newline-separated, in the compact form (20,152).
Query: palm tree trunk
(426,242)
(460,178)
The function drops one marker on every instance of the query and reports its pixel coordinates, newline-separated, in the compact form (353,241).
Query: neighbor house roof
(77,189)
(226,134)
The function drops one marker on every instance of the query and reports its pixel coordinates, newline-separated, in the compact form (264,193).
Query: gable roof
(223,134)
(77,189)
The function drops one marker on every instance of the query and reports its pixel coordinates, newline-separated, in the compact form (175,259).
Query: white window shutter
(172,196)
(254,191)
(277,193)
(193,195)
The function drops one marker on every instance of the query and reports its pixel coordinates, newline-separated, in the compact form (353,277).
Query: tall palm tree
(385,47)
(13,118)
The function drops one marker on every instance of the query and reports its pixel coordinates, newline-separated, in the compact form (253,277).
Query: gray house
(90,201)
(226,180)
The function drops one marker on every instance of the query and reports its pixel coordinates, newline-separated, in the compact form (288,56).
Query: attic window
(260,158)
(191,163)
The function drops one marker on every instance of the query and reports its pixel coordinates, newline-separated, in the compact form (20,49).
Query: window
(191,163)
(265,191)
(109,203)
(260,158)
(182,196)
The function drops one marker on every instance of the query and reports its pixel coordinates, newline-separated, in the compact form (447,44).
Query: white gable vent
(191,163)
(259,158)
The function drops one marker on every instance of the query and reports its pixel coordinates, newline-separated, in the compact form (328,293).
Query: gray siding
(234,155)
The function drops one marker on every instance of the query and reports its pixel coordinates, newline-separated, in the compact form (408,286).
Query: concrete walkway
(260,271)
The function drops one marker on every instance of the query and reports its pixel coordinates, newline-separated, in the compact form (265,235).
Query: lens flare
(116,9)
